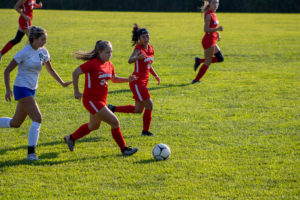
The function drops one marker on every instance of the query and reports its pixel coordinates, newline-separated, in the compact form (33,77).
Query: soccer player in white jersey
(29,61)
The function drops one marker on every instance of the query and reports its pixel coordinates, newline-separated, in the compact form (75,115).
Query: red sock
(214,60)
(201,72)
(6,48)
(81,131)
(118,137)
(125,109)
(147,117)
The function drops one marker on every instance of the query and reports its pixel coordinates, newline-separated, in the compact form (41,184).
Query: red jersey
(213,21)
(142,67)
(96,76)
(28,8)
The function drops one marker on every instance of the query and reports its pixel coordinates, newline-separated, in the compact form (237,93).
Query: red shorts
(93,106)
(208,41)
(23,23)
(140,92)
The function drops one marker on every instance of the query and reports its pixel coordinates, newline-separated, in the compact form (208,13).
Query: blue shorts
(21,92)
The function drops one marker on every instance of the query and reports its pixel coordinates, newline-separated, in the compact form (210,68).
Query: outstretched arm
(155,75)
(12,65)
(116,79)
(54,74)
(38,5)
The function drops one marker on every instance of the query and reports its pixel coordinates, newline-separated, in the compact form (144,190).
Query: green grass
(236,136)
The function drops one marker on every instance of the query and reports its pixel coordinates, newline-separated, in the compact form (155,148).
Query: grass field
(236,136)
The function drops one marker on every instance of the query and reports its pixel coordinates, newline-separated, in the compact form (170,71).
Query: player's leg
(109,117)
(82,131)
(208,53)
(12,42)
(147,117)
(30,107)
(218,55)
(17,120)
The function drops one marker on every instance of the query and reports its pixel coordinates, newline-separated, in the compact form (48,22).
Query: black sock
(31,149)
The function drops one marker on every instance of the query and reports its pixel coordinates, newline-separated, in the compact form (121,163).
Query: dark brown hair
(135,37)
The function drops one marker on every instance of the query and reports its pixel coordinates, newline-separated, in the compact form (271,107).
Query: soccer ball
(161,152)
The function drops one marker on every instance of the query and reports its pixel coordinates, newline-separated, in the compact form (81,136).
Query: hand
(40,4)
(27,18)
(141,56)
(8,96)
(132,78)
(77,95)
(219,36)
(158,80)
(66,84)
(220,28)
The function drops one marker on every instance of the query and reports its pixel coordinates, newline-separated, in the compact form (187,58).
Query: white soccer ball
(161,152)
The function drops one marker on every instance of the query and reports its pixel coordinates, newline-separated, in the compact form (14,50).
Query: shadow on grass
(88,139)
(12,163)
(153,88)
(146,161)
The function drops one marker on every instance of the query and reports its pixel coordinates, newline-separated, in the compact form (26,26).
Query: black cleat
(193,82)
(127,151)
(147,133)
(111,107)
(197,63)
(70,142)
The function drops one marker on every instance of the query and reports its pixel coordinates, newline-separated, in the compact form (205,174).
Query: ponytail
(137,32)
(205,6)
(100,46)
(135,37)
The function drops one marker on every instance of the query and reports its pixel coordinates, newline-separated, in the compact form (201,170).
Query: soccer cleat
(197,63)
(32,157)
(147,133)
(111,107)
(127,151)
(193,82)
(70,142)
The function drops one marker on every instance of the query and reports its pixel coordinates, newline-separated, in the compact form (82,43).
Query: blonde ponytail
(205,6)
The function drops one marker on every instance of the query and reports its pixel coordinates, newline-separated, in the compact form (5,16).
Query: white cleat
(32,157)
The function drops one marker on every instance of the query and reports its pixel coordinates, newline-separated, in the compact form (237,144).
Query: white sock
(33,135)
(4,122)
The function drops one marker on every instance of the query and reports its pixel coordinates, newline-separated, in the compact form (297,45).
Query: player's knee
(37,118)
(15,125)
(219,56)
(115,123)
(93,127)
(139,110)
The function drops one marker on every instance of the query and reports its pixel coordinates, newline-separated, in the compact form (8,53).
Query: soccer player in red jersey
(212,52)
(98,71)
(143,57)
(26,15)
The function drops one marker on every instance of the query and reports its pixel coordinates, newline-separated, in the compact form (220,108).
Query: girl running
(209,39)
(98,70)
(26,16)
(30,61)
(142,56)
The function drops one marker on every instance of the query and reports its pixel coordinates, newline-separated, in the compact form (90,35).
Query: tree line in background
(279,6)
